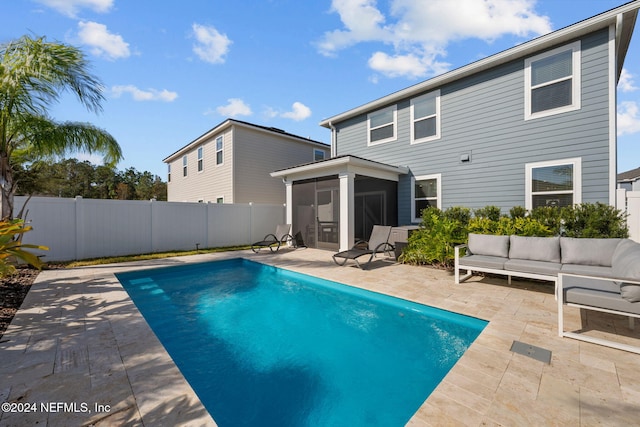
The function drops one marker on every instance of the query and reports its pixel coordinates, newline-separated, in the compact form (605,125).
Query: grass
(143,257)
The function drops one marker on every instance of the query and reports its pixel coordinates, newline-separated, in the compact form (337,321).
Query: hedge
(441,230)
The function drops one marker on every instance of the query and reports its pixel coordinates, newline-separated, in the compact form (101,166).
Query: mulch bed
(13,290)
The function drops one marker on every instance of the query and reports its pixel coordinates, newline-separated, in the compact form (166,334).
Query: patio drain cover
(532,351)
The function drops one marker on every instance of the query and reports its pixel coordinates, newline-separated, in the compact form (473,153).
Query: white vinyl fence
(630,200)
(80,228)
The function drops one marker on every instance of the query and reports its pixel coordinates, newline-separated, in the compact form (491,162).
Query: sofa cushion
(626,265)
(483,261)
(588,270)
(535,267)
(596,293)
(630,292)
(588,251)
(486,244)
(535,248)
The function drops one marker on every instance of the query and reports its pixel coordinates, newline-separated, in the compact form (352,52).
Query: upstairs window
(184,165)
(382,125)
(318,155)
(200,159)
(552,82)
(425,117)
(219,151)
(168,172)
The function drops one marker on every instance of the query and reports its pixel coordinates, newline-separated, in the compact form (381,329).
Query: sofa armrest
(457,250)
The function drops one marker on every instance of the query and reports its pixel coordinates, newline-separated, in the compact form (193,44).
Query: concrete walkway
(81,352)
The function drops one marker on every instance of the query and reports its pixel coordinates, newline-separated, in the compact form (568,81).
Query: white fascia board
(339,165)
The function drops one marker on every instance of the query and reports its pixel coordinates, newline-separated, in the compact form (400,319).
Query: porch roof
(339,165)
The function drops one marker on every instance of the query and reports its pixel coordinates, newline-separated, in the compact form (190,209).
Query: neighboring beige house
(231,163)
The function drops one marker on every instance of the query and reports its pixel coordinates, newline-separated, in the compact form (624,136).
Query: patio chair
(378,243)
(275,240)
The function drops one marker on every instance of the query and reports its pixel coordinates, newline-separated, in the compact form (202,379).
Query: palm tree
(33,74)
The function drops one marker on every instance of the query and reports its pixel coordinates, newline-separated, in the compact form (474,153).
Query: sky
(172,70)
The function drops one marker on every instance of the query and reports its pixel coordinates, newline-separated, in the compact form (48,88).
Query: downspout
(334,139)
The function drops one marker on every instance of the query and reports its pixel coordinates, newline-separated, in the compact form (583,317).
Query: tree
(71,178)
(33,74)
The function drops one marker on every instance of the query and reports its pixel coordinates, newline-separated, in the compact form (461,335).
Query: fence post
(621,199)
(152,236)
(80,221)
(251,239)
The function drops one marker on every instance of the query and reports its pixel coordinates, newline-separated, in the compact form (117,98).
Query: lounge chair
(275,240)
(378,243)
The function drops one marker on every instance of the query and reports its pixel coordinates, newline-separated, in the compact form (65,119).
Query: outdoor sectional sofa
(593,274)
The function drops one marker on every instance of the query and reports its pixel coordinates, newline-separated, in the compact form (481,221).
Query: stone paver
(79,340)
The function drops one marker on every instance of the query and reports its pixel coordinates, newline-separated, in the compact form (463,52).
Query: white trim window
(426,191)
(425,117)
(552,82)
(220,200)
(184,165)
(200,159)
(168,172)
(219,150)
(554,183)
(382,125)
(318,155)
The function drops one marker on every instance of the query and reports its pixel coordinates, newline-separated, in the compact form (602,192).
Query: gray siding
(483,115)
(257,154)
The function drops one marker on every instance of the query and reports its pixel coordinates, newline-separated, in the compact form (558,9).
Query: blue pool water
(266,346)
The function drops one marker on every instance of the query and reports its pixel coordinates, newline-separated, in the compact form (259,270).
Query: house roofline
(629,176)
(346,160)
(623,17)
(233,122)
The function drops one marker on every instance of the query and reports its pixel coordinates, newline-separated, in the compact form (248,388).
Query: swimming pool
(266,346)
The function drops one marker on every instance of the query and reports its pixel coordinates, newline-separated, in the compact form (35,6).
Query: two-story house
(534,125)
(231,164)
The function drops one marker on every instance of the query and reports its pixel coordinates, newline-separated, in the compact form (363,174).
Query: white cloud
(628,118)
(410,65)
(418,32)
(298,112)
(144,95)
(94,159)
(101,42)
(235,107)
(210,46)
(362,20)
(72,7)
(626,83)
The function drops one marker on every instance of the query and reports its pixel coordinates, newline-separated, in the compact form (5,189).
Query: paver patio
(78,338)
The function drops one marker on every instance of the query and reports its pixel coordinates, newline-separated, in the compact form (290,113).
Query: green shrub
(518,212)
(521,226)
(441,231)
(491,212)
(593,220)
(458,213)
(12,248)
(434,242)
(548,216)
